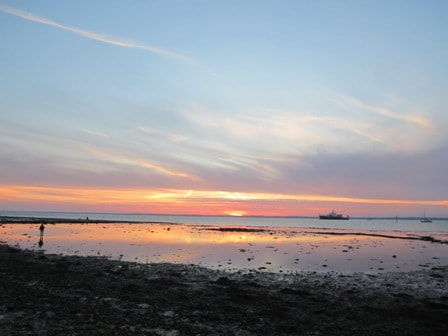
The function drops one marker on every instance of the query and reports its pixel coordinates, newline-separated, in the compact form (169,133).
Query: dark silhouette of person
(41,237)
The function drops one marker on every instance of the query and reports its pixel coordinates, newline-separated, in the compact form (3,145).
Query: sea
(241,244)
(355,223)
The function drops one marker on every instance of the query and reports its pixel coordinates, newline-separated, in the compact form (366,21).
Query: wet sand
(54,294)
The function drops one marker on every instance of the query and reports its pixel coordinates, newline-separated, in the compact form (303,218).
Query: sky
(224,107)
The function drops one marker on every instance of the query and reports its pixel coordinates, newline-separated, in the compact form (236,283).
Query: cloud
(413,119)
(97,37)
(174,137)
(139,162)
(188,196)
(265,133)
(96,133)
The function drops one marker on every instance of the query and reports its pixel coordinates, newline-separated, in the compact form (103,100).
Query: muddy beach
(44,294)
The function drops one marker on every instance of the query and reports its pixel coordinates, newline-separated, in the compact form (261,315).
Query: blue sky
(330,104)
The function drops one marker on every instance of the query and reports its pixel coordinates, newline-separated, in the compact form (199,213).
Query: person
(41,238)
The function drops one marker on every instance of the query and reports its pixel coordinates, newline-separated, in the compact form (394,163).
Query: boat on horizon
(425,219)
(334,215)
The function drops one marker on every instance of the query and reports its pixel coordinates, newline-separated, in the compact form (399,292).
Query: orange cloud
(248,196)
(188,201)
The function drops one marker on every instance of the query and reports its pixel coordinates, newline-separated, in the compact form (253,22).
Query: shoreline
(380,218)
(48,294)
(49,220)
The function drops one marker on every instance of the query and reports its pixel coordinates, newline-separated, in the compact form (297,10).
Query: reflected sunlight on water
(237,249)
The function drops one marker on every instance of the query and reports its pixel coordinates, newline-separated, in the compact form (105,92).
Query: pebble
(168,313)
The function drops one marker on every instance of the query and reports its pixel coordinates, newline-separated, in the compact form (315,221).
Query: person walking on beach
(41,238)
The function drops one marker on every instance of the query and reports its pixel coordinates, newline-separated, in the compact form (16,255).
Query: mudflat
(43,294)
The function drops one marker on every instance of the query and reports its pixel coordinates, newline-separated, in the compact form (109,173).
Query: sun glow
(238,213)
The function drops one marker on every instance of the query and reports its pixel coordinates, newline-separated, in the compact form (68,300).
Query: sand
(43,294)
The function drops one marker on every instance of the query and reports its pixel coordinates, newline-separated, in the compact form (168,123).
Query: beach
(52,294)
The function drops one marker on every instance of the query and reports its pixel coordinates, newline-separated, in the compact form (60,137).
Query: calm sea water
(289,244)
(272,250)
(389,224)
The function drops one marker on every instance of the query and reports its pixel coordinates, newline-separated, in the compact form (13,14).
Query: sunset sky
(225,107)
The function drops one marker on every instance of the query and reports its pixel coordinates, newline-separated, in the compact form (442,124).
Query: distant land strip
(44,220)
(423,238)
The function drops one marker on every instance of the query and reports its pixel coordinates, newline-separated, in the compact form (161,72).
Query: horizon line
(443,217)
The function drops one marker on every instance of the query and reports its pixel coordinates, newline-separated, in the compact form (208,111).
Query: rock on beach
(69,295)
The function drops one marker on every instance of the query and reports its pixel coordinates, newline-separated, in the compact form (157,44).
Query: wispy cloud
(96,133)
(175,195)
(277,132)
(174,137)
(97,37)
(413,119)
(139,162)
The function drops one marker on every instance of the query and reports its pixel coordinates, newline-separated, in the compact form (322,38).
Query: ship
(425,219)
(334,215)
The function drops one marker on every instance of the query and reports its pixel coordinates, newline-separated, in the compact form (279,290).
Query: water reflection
(239,248)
